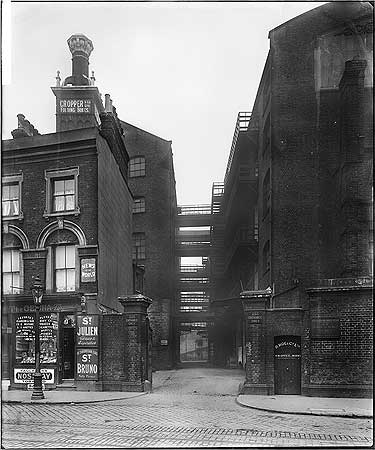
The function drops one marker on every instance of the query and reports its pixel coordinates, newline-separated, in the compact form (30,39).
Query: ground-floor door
(67,347)
(287,369)
(68,353)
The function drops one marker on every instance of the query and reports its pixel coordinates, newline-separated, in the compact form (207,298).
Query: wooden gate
(287,357)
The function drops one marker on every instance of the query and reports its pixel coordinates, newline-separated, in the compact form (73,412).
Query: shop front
(59,352)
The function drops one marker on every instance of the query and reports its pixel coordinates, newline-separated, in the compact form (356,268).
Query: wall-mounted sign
(87,364)
(43,308)
(87,331)
(75,106)
(88,270)
(27,375)
(163,341)
(287,347)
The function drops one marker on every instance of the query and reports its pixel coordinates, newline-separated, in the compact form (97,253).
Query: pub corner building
(65,204)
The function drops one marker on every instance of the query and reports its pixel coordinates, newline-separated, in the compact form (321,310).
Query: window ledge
(18,217)
(74,212)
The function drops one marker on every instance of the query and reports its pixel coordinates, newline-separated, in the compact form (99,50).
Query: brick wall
(158,224)
(34,184)
(112,351)
(294,159)
(348,359)
(114,230)
(160,322)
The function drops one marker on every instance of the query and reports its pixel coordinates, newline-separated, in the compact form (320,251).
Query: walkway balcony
(193,243)
(245,237)
(194,215)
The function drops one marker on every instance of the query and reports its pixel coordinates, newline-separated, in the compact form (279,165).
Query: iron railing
(242,124)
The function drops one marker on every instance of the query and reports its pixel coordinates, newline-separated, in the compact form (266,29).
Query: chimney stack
(25,128)
(80,47)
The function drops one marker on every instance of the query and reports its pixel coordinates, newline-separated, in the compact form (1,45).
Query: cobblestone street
(188,408)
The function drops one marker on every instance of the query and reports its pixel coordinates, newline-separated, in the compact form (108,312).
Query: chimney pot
(80,47)
(108,103)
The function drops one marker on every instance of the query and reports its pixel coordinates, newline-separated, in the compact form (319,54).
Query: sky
(179,70)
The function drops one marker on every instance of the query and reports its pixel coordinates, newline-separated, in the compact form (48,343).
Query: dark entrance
(67,347)
(193,346)
(287,352)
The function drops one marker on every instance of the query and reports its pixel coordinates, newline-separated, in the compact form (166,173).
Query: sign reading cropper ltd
(87,364)
(87,331)
(74,105)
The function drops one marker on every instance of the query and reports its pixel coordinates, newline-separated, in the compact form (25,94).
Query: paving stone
(173,416)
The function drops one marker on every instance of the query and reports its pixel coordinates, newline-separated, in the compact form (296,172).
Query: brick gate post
(136,353)
(255,304)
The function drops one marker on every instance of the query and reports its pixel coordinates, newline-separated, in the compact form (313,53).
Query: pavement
(318,406)
(188,408)
(287,404)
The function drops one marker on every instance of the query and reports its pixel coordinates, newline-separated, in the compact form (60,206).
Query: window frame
(138,257)
(62,174)
(54,269)
(13,180)
(142,170)
(19,289)
(142,208)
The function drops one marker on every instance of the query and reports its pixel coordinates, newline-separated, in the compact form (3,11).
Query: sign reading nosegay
(87,331)
(26,375)
(88,270)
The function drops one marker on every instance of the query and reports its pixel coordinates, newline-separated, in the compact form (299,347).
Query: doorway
(68,353)
(287,370)
(193,346)
(67,347)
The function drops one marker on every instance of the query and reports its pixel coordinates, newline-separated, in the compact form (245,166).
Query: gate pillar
(136,350)
(255,304)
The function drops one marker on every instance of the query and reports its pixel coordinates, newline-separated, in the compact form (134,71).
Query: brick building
(152,182)
(297,241)
(67,217)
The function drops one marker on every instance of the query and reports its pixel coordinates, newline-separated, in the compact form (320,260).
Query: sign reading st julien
(87,354)
(87,331)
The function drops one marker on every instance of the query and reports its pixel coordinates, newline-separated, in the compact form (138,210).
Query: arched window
(11,265)
(266,193)
(62,262)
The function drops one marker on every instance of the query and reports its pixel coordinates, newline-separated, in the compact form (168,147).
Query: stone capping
(266,293)
(34,253)
(340,284)
(134,299)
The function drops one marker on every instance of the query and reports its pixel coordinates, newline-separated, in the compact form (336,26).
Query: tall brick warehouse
(297,205)
(152,182)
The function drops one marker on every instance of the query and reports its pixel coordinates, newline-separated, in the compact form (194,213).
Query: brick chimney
(25,128)
(78,101)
